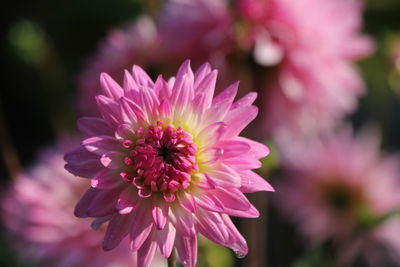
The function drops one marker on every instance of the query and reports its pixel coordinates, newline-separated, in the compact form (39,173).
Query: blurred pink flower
(334,184)
(314,50)
(166,163)
(38,211)
(135,43)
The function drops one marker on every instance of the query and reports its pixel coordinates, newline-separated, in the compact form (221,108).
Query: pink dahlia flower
(166,163)
(341,184)
(313,49)
(37,210)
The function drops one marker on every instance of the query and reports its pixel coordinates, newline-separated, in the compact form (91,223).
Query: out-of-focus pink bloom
(314,50)
(135,43)
(166,163)
(334,184)
(38,211)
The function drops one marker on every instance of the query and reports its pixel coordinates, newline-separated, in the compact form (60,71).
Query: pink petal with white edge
(146,253)
(124,131)
(257,149)
(140,231)
(94,127)
(106,179)
(186,248)
(232,148)
(252,182)
(237,119)
(132,112)
(236,240)
(160,213)
(100,145)
(243,163)
(209,202)
(141,77)
(207,86)
(109,109)
(162,89)
(252,212)
(201,72)
(128,200)
(212,133)
(166,240)
(247,100)
(183,221)
(221,104)
(225,176)
(109,87)
(82,163)
(187,201)
(232,198)
(210,225)
(117,230)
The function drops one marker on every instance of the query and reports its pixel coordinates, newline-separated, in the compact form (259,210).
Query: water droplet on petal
(239,255)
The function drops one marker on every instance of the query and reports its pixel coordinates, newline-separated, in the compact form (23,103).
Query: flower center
(161,160)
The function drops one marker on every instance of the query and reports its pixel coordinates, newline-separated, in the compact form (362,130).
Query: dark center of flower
(161,160)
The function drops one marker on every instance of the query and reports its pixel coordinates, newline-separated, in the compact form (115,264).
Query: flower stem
(172,259)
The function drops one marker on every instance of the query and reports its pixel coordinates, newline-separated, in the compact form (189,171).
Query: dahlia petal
(109,109)
(97,223)
(246,100)
(252,212)
(127,201)
(233,148)
(181,94)
(109,87)
(131,88)
(252,182)
(131,111)
(117,230)
(205,181)
(166,240)
(162,88)
(149,101)
(82,163)
(141,77)
(232,198)
(211,225)
(183,222)
(103,203)
(112,160)
(160,213)
(101,144)
(209,202)
(124,132)
(140,231)
(237,119)
(186,249)
(242,164)
(258,150)
(165,109)
(94,127)
(146,253)
(207,86)
(212,133)
(106,179)
(187,201)
(221,104)
(236,240)
(225,176)
(84,203)
(201,72)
